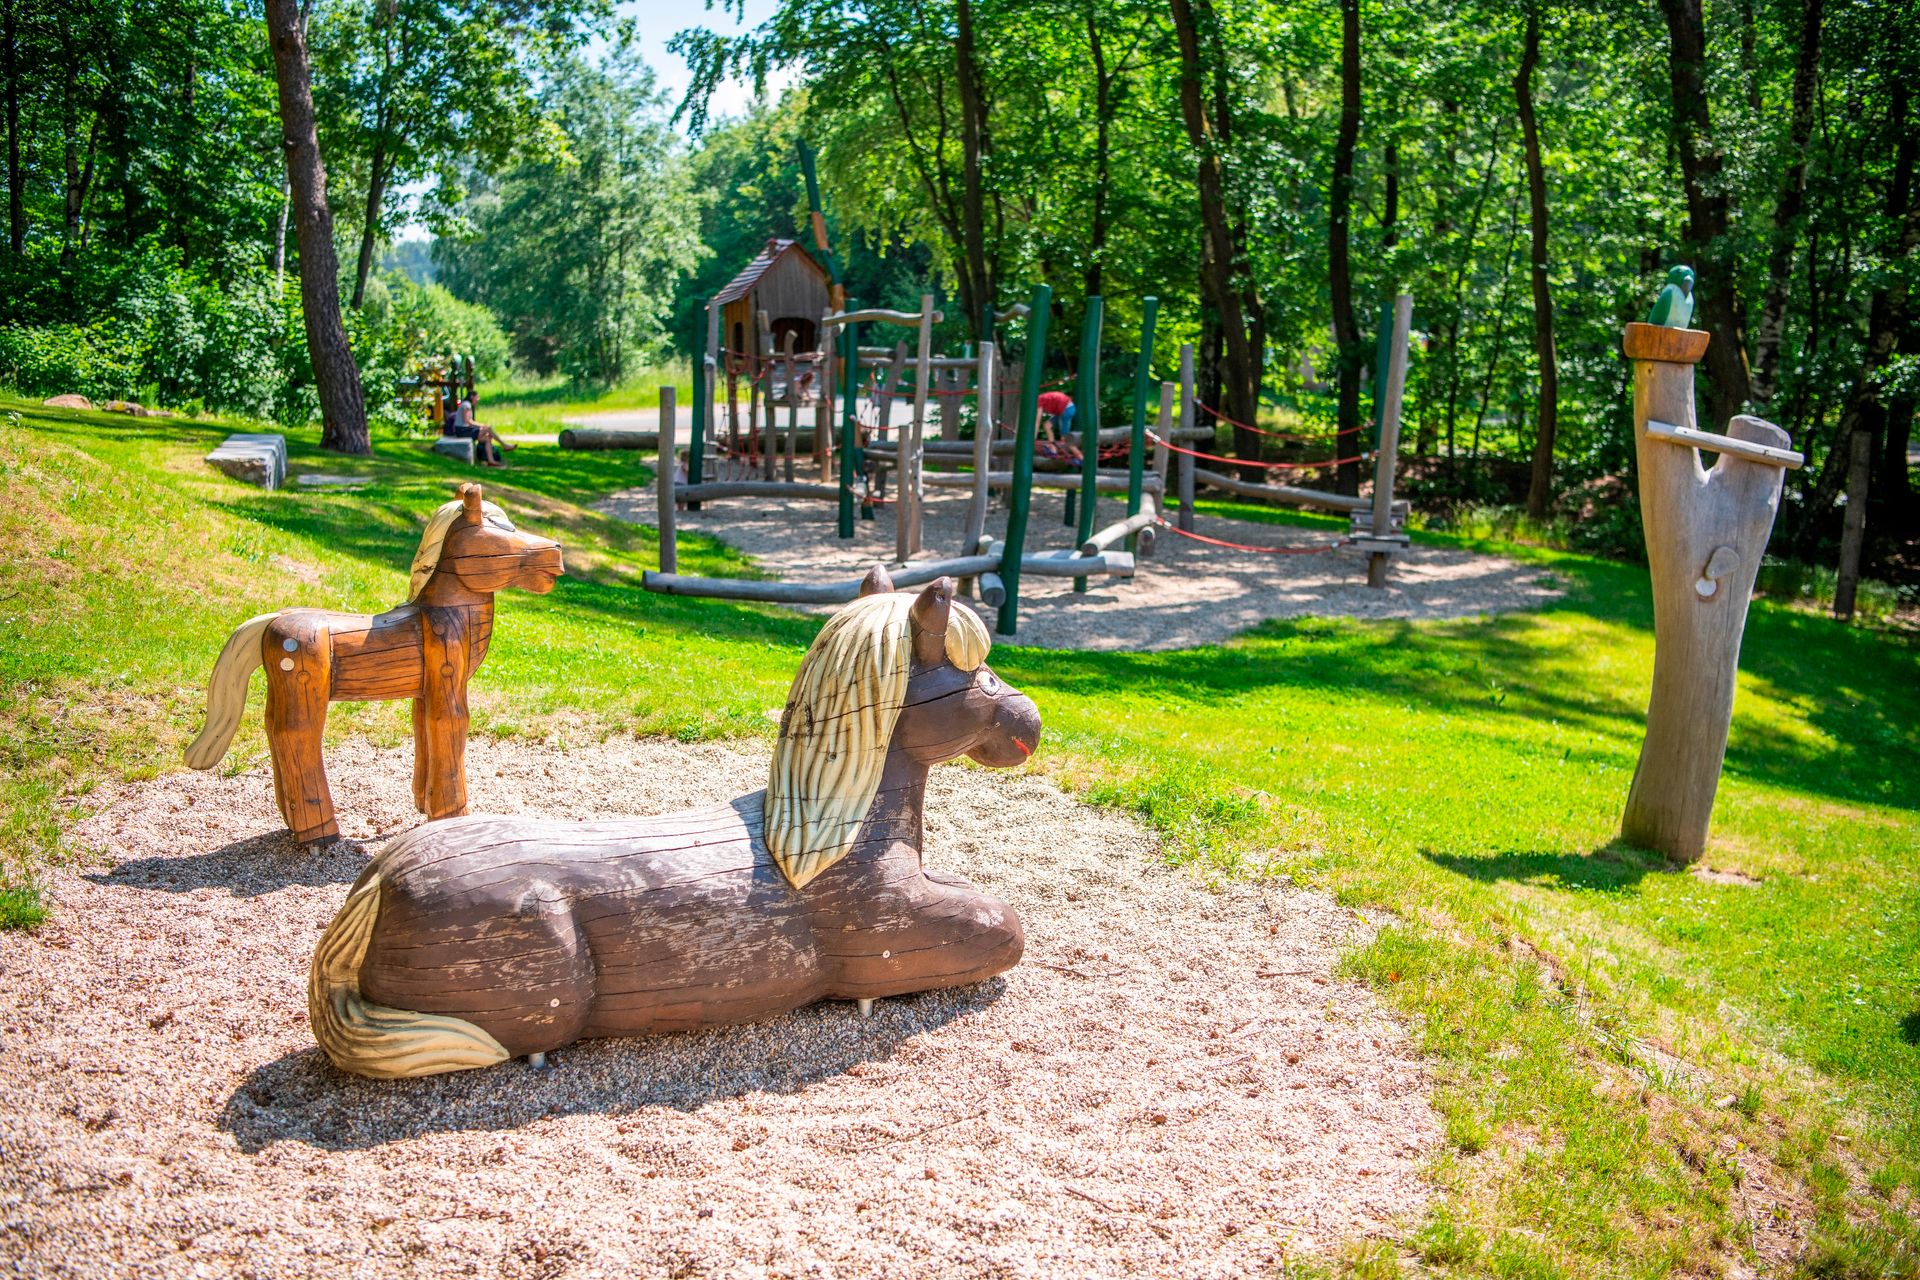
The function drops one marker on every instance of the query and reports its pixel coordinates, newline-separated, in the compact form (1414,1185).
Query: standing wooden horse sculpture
(426,650)
(466,943)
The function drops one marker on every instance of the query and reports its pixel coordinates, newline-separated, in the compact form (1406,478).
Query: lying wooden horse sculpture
(466,943)
(426,649)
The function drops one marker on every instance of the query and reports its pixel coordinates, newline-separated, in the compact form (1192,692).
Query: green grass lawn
(1641,1071)
(537,407)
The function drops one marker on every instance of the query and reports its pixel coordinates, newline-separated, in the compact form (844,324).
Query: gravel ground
(1185,594)
(1171,1083)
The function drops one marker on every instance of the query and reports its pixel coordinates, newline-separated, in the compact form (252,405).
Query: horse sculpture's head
(893,671)
(474,541)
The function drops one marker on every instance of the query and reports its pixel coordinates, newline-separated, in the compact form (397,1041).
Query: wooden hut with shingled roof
(785,282)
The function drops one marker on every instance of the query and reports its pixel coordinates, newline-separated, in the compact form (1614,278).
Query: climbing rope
(1172,528)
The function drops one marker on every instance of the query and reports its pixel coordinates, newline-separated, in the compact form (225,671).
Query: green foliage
(21,907)
(578,253)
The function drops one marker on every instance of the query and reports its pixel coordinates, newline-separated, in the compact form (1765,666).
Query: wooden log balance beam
(1106,482)
(714,489)
(1282,492)
(1057,564)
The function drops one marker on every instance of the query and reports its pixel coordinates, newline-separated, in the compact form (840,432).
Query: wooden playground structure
(969,425)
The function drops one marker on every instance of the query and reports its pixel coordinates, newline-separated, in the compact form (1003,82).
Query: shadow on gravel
(249,868)
(304,1098)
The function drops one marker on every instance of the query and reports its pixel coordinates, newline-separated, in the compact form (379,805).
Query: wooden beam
(1281,492)
(1114,532)
(713,489)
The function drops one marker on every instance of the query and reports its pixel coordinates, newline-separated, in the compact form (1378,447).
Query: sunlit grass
(1637,1069)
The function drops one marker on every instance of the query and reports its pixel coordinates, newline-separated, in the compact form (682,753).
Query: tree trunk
(16,181)
(1702,167)
(1540,485)
(1217,257)
(1102,154)
(1853,529)
(1786,211)
(370,232)
(979,284)
(1346,329)
(342,411)
(280,241)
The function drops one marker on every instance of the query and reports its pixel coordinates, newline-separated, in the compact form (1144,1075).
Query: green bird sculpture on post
(1674,307)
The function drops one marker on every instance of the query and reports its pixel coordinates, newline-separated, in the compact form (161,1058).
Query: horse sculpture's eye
(989,683)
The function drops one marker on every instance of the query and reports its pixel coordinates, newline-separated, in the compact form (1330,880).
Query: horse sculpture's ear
(470,500)
(929,617)
(876,582)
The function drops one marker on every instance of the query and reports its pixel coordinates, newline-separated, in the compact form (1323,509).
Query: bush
(67,359)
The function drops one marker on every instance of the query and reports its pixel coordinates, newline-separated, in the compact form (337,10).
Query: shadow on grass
(1910,1028)
(304,1098)
(1612,868)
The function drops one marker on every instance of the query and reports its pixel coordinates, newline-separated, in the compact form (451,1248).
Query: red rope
(1170,527)
(1253,462)
(1261,431)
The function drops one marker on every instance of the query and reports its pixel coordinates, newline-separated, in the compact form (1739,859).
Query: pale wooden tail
(370,1039)
(227,692)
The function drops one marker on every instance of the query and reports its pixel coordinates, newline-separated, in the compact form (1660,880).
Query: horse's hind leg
(298,658)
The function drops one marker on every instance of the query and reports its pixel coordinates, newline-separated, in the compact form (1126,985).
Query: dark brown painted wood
(542,932)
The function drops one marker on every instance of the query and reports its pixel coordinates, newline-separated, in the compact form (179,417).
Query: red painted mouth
(1025,750)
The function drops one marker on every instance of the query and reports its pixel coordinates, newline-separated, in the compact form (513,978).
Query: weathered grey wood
(1281,492)
(1115,532)
(260,457)
(884,317)
(911,498)
(793,406)
(715,489)
(1388,452)
(1706,530)
(459,448)
(665,483)
(959,450)
(1189,421)
(763,348)
(1689,438)
(981,445)
(1107,482)
(601,439)
(1055,565)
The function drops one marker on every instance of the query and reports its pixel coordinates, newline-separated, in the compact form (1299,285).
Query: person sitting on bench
(473,417)
(458,422)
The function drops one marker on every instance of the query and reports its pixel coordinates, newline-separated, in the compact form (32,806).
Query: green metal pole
(1382,353)
(702,396)
(849,418)
(1137,445)
(1020,500)
(1087,396)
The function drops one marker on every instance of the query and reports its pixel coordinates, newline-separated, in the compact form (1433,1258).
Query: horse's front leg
(440,732)
(919,936)
(298,655)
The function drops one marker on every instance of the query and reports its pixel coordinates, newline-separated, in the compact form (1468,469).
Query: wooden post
(982,446)
(1388,450)
(1190,420)
(701,410)
(823,418)
(1020,496)
(1706,531)
(849,420)
(1137,446)
(907,501)
(668,552)
(1087,396)
(763,387)
(793,404)
(1163,456)
(1853,523)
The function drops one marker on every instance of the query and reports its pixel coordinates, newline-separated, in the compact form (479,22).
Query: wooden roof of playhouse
(785,254)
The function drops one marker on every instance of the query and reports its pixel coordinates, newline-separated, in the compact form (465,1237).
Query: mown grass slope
(1642,1071)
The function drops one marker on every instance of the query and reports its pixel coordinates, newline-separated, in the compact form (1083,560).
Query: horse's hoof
(538,1061)
(866,1008)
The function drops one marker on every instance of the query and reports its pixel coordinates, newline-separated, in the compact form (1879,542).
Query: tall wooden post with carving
(1706,529)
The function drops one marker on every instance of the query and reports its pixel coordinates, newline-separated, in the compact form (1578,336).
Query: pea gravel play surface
(1172,1083)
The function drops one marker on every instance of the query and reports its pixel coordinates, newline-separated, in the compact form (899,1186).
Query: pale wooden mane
(434,540)
(838,723)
